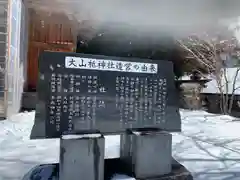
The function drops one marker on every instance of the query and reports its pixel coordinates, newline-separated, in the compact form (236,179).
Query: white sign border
(74,62)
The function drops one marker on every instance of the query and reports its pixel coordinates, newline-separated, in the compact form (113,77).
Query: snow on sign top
(110,65)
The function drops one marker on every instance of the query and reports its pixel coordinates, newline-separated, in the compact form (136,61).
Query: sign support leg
(147,152)
(82,156)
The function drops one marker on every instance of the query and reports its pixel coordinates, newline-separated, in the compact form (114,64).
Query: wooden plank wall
(47,32)
(3,56)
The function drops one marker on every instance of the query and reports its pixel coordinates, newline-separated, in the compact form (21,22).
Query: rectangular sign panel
(109,94)
(110,65)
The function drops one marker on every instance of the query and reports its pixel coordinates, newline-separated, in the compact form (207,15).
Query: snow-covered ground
(209,146)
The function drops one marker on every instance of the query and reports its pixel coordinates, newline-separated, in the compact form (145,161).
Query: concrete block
(82,156)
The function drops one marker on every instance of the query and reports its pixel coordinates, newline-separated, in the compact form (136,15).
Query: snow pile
(209,146)
(17,152)
(122,177)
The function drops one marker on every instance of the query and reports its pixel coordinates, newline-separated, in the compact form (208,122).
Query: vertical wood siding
(53,33)
(3,55)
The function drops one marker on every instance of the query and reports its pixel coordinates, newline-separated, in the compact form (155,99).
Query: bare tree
(235,87)
(208,51)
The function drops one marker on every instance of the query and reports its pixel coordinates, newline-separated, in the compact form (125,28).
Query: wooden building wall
(47,32)
(4,10)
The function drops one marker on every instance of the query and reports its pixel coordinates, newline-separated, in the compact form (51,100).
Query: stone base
(82,155)
(147,152)
(112,167)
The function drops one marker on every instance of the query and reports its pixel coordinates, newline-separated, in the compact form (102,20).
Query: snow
(209,146)
(212,86)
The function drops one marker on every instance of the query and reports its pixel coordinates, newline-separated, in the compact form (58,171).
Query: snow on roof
(212,86)
(185,77)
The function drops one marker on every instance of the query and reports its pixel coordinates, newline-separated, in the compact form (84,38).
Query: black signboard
(109,94)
